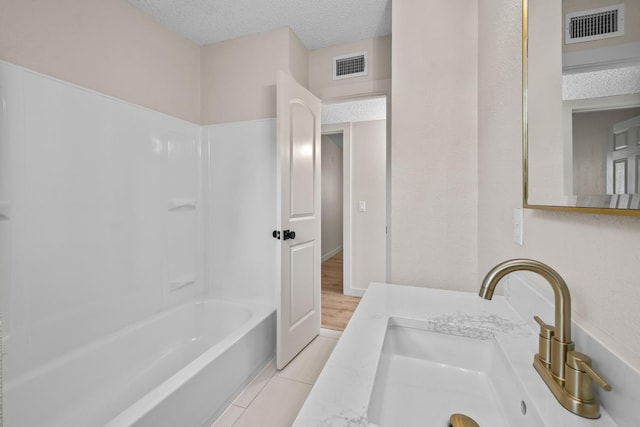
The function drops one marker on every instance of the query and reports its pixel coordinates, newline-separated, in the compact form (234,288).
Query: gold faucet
(566,372)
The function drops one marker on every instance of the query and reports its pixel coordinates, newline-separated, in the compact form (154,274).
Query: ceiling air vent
(594,24)
(351,65)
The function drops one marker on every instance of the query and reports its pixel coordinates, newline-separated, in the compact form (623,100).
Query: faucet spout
(560,290)
(567,373)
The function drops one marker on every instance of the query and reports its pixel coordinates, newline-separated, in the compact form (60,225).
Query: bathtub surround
(135,226)
(105,200)
(243,253)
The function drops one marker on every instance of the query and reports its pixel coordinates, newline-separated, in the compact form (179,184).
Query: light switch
(518,226)
(362,206)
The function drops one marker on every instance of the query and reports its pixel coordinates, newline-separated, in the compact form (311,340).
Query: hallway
(337,308)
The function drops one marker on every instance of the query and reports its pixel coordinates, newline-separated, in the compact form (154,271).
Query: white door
(298,319)
(623,157)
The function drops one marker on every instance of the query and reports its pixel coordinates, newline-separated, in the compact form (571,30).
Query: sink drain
(461,420)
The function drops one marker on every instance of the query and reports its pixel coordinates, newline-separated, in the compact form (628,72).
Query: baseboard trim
(354,292)
(331,253)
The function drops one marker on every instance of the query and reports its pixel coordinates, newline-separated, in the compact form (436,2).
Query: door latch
(286,234)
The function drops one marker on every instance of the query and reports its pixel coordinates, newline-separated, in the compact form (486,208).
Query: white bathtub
(178,368)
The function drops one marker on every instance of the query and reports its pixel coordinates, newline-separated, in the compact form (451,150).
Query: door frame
(347,203)
(345,130)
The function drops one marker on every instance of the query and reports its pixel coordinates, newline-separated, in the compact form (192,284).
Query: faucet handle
(544,342)
(596,377)
(582,362)
(546,330)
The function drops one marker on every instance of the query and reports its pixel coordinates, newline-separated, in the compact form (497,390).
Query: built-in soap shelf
(5,210)
(181,205)
(182,281)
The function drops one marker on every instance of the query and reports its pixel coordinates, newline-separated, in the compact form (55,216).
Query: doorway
(337,308)
(354,204)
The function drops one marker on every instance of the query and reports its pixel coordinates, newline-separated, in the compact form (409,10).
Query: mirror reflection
(583,119)
(604,157)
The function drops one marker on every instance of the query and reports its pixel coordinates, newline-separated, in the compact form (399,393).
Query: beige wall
(596,254)
(331,197)
(369,178)
(321,81)
(298,60)
(107,46)
(239,75)
(434,152)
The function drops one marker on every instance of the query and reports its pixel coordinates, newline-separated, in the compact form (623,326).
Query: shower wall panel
(99,215)
(243,210)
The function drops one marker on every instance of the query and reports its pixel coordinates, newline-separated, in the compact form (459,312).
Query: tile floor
(274,398)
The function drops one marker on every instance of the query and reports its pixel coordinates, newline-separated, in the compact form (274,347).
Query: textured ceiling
(318,23)
(361,110)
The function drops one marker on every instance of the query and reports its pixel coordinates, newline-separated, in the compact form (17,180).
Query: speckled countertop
(341,394)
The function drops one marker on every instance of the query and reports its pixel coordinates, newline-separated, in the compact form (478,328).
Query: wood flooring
(337,308)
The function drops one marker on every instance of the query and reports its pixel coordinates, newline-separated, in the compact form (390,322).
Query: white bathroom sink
(423,377)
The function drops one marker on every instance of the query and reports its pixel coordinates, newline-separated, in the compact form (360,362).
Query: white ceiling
(318,23)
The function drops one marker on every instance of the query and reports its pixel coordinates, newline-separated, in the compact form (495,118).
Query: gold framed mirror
(581,106)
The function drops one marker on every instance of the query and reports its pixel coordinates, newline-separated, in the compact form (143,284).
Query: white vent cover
(351,65)
(594,24)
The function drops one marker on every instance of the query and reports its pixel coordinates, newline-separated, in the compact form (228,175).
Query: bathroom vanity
(415,356)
